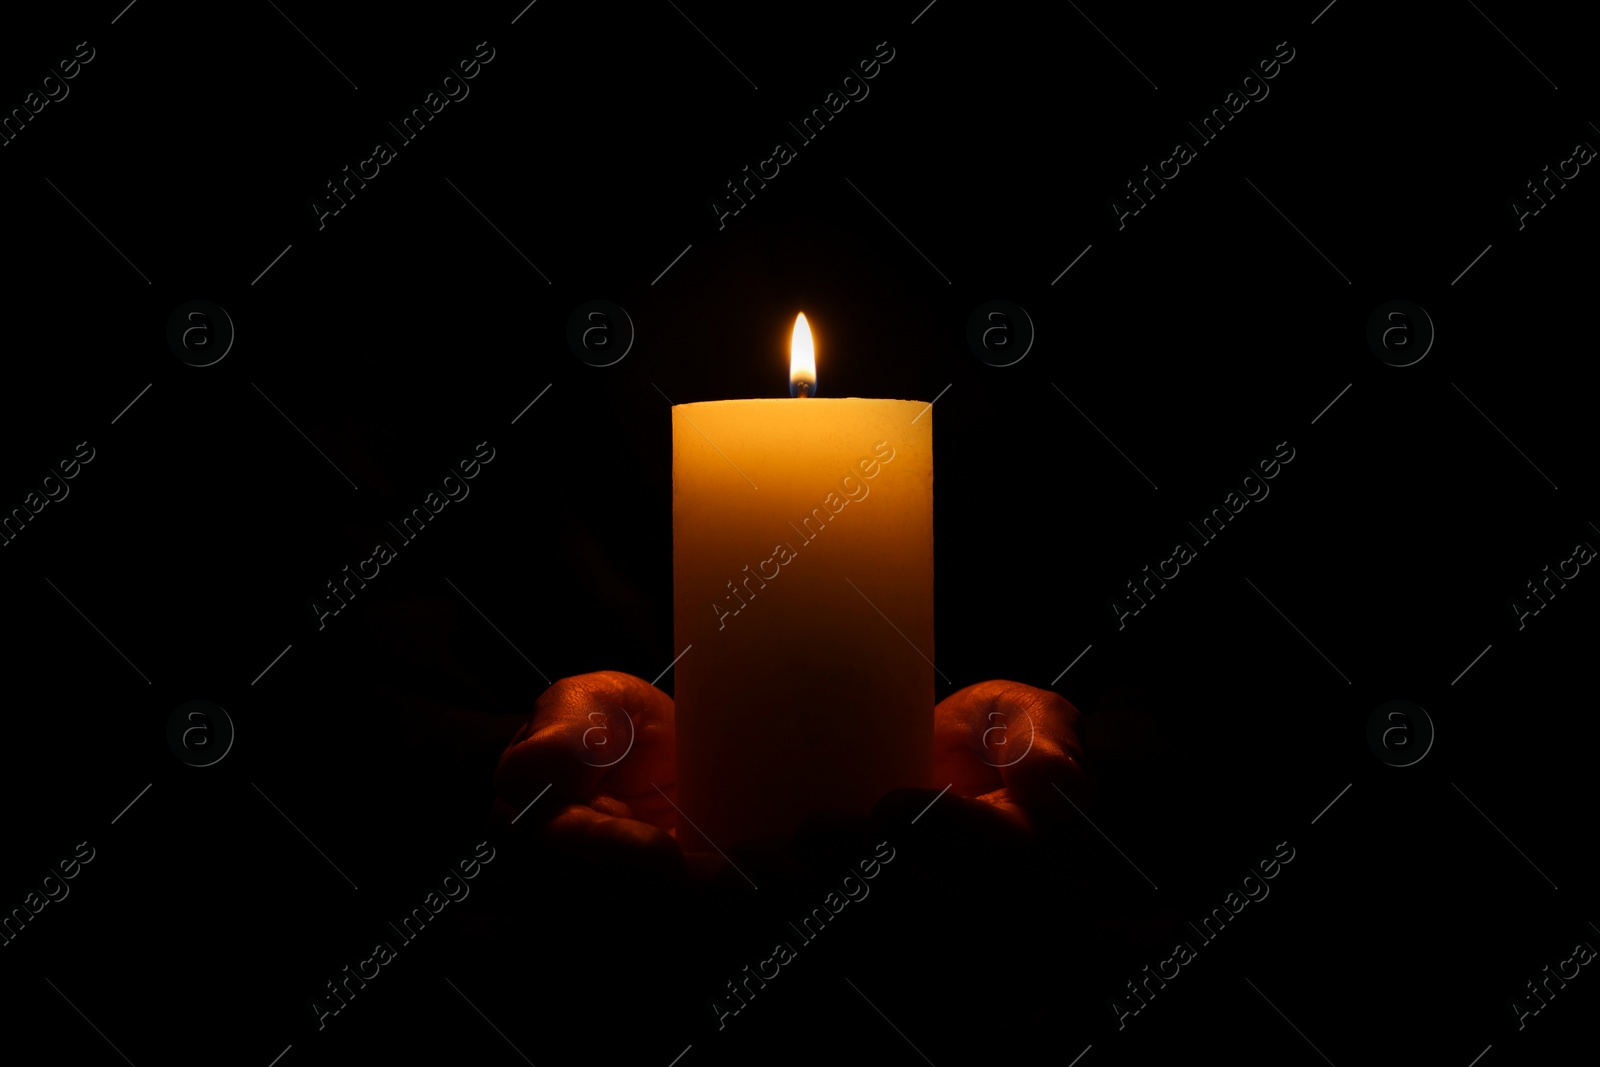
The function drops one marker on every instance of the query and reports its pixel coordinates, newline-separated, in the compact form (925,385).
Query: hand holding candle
(1005,748)
(1011,746)
(803,609)
(597,757)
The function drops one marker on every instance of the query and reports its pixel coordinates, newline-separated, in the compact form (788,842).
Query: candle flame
(802,360)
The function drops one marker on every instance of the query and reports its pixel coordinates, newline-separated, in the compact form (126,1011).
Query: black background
(407,329)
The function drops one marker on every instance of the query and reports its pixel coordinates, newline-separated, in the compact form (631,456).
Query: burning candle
(802,560)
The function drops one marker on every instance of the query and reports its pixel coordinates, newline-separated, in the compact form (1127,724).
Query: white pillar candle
(803,580)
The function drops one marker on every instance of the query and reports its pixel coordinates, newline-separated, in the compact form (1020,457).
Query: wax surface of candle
(803,579)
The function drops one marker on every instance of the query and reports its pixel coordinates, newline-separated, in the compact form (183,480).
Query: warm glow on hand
(602,742)
(1011,745)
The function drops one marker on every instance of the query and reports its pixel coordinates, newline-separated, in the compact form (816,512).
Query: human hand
(1012,747)
(603,745)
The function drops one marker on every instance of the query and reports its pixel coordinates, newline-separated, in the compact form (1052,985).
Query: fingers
(1007,735)
(591,734)
(596,841)
(1055,765)
(595,837)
